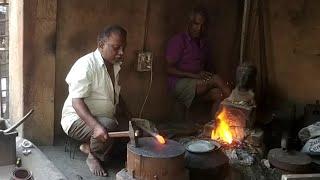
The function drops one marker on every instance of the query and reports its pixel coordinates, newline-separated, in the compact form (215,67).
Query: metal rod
(19,122)
(146,22)
(244,29)
(148,131)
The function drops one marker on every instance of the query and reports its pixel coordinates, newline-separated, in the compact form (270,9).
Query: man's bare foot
(95,166)
(85,148)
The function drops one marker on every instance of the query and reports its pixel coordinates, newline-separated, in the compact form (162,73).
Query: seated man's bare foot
(85,148)
(95,166)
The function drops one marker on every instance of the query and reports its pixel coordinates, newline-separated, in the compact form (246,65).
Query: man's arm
(99,132)
(172,70)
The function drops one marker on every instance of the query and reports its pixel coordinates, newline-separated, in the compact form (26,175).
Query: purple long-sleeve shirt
(186,55)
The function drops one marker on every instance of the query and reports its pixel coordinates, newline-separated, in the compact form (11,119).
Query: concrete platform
(77,169)
(36,162)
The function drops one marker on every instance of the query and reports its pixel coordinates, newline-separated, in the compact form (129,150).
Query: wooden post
(244,28)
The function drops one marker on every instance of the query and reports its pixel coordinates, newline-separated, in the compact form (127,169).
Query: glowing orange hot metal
(160,139)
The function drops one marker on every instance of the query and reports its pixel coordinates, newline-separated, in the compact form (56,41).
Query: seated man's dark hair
(201,11)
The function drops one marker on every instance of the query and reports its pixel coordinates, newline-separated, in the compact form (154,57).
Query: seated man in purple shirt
(188,58)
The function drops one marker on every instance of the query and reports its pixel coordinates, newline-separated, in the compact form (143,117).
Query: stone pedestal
(151,160)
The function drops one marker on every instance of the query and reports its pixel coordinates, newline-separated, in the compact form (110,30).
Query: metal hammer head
(133,134)
(146,124)
(138,126)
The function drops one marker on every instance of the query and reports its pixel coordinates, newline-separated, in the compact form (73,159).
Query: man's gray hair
(113,29)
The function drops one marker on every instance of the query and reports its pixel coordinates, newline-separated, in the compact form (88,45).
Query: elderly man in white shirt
(89,110)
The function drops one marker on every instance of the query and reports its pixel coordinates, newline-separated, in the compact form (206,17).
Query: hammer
(135,127)
(132,133)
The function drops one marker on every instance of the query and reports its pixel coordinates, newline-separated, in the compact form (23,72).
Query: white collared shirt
(89,79)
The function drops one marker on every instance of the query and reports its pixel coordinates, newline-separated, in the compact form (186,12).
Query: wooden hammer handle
(119,134)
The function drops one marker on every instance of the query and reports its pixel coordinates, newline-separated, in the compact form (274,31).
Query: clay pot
(21,174)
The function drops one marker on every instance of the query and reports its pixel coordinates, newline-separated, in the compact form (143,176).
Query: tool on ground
(8,140)
(17,124)
(286,158)
(289,160)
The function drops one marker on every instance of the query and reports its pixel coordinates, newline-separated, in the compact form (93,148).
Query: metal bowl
(21,174)
(202,146)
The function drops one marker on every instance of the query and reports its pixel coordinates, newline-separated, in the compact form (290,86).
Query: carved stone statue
(243,94)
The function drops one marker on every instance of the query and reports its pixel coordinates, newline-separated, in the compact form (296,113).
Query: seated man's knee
(108,123)
(216,94)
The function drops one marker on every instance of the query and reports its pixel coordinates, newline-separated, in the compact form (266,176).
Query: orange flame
(222,131)
(160,139)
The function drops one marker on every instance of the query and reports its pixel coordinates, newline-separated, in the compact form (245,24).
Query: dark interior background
(57,32)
